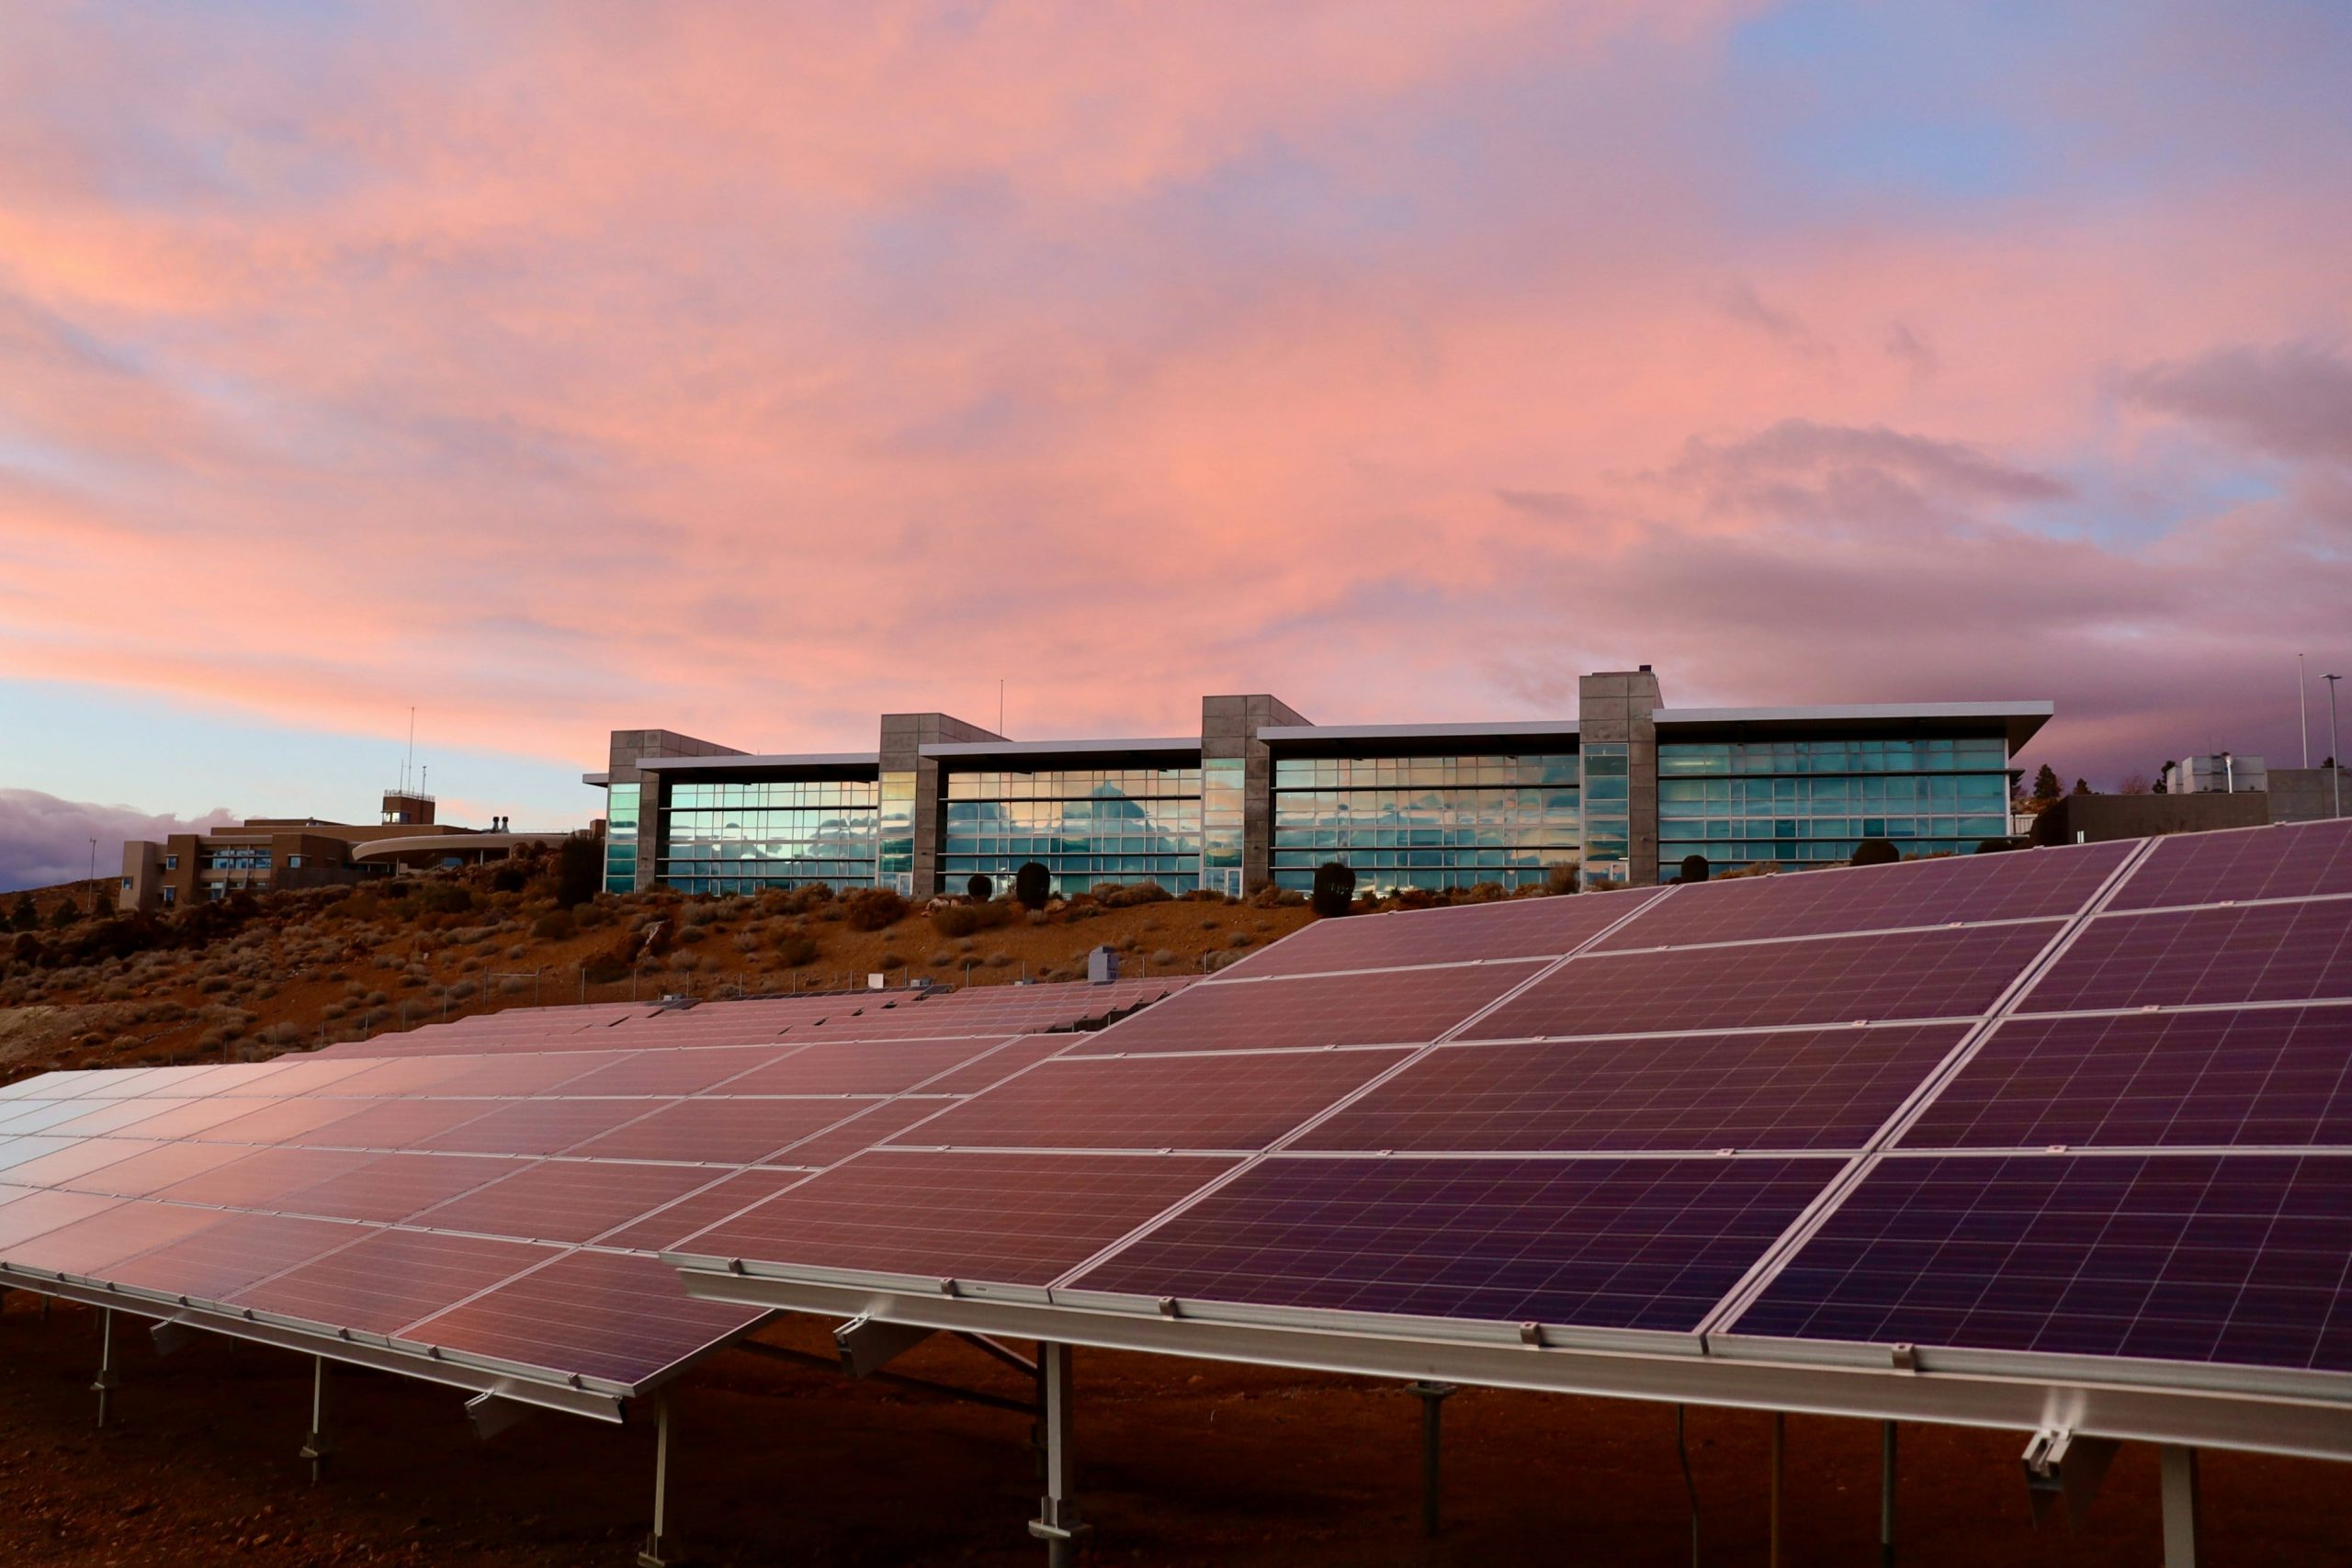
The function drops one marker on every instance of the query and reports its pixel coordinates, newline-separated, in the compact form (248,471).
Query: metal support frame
(655,1552)
(318,1446)
(1778,1470)
(868,1344)
(1690,1484)
(108,1381)
(1886,1495)
(1432,1396)
(1057,1523)
(2064,1465)
(896,1380)
(2177,1473)
(171,1336)
(492,1412)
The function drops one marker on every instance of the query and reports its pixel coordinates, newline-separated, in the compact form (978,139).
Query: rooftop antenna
(2303,710)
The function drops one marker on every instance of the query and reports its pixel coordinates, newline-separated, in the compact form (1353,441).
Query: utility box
(1102,965)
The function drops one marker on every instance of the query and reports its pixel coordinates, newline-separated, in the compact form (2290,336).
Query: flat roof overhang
(2303,1413)
(600,780)
(2018,721)
(1511,737)
(771,767)
(1160,751)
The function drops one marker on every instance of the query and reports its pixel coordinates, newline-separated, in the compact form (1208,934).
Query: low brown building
(273,851)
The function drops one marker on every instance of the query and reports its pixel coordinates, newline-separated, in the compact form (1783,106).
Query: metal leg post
(657,1545)
(1886,1495)
(1432,1396)
(2176,1467)
(108,1381)
(316,1448)
(1057,1522)
(1780,1451)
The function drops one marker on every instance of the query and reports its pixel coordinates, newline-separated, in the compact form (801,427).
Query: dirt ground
(1180,1462)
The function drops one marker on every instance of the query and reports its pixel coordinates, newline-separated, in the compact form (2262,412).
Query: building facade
(1261,795)
(159,876)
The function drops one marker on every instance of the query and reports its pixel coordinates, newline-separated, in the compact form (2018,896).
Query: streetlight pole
(2335,749)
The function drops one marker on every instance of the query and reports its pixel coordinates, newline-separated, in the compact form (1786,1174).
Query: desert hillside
(257,974)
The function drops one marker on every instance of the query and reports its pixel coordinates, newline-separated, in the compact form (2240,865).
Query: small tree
(509,878)
(1694,869)
(1993,846)
(578,871)
(2082,787)
(2133,784)
(1334,887)
(65,915)
(2046,787)
(1879,851)
(27,914)
(1032,884)
(980,889)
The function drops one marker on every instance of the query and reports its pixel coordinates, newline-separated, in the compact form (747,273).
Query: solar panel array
(492,1192)
(2087,1100)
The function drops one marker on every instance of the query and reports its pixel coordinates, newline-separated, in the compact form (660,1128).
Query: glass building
(1621,793)
(1426,821)
(1085,825)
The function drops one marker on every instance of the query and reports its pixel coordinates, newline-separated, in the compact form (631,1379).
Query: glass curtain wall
(1811,802)
(1608,823)
(1425,821)
(1084,825)
(748,838)
(620,838)
(1225,783)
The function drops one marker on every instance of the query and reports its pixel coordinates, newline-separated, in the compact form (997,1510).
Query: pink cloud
(750,371)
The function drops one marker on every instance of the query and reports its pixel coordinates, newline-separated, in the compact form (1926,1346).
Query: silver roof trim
(599,779)
(1060,747)
(1414,731)
(1833,711)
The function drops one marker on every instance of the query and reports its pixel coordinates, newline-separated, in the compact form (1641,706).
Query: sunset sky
(748,370)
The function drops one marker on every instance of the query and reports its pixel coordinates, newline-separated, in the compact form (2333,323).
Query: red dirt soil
(1178,1462)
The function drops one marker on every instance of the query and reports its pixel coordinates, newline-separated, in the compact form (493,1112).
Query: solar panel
(858,1066)
(2275,1076)
(674,1222)
(863,1130)
(618,1316)
(34,1213)
(998,1064)
(2279,861)
(393,1123)
(1155,1102)
(1803,1090)
(386,1280)
(718,1131)
(90,1246)
(573,1201)
(1386,1007)
(1877,898)
(1010,1219)
(1909,975)
(2181,1258)
(264,1178)
(390,1188)
(162,1166)
(538,1126)
(1524,927)
(1648,1243)
(2252,952)
(235,1251)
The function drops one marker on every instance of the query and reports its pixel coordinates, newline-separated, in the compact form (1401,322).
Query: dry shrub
(873,909)
(963,919)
